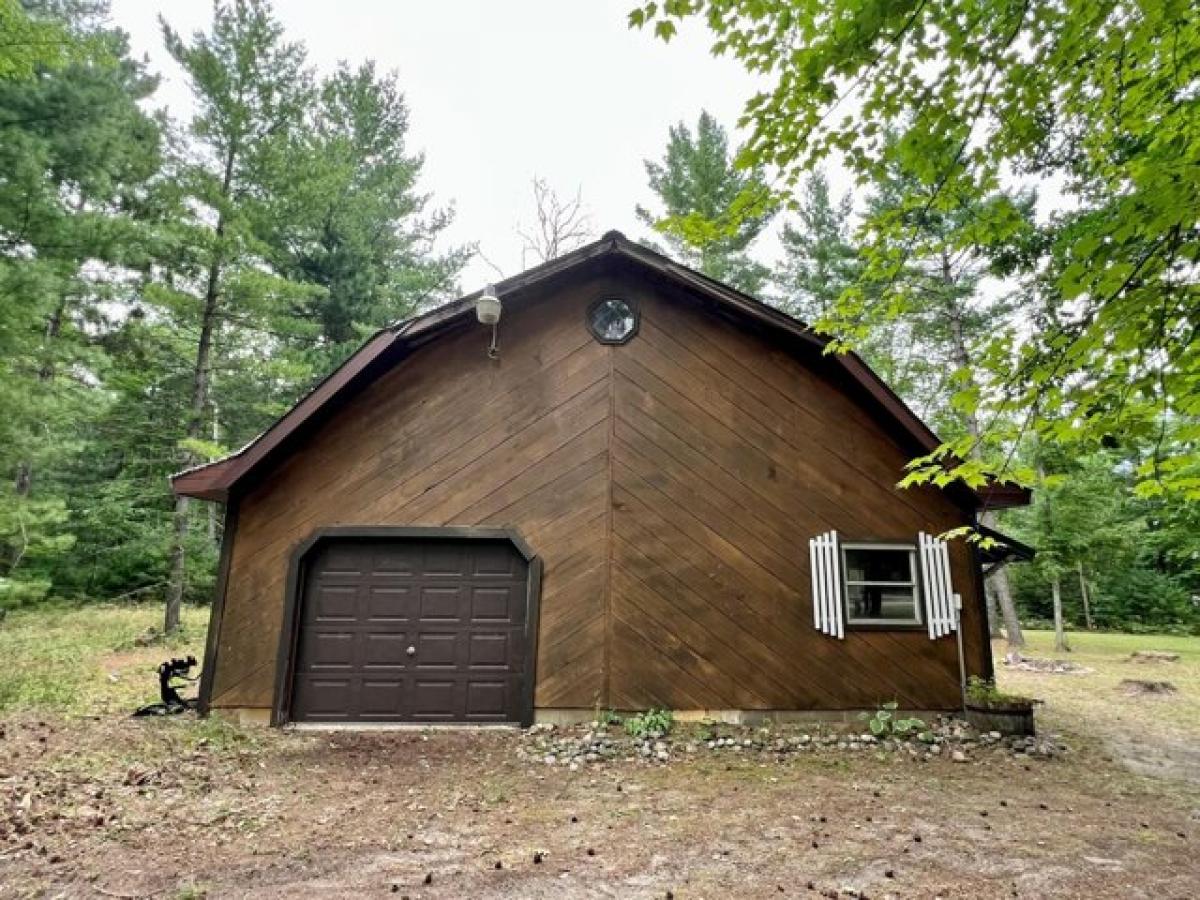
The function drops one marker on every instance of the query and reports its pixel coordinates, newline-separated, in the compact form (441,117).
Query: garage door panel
(495,604)
(328,649)
(437,649)
(385,650)
(487,699)
(389,603)
(335,602)
(458,604)
(395,559)
(489,650)
(434,698)
(441,603)
(341,559)
(381,698)
(496,561)
(445,559)
(327,699)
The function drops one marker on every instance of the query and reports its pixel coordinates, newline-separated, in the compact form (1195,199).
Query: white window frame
(914,564)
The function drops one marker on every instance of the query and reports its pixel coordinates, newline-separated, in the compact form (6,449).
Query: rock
(1052,666)
(959,757)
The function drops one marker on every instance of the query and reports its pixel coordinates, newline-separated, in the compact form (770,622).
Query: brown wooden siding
(670,486)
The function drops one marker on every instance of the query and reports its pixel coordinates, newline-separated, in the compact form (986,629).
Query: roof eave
(217,480)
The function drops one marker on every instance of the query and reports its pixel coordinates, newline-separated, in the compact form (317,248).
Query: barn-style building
(641,488)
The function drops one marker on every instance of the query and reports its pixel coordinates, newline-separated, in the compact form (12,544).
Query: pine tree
(820,259)
(352,221)
(711,210)
(252,89)
(78,155)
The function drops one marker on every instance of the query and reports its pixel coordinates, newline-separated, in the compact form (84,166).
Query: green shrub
(651,723)
(605,717)
(884,722)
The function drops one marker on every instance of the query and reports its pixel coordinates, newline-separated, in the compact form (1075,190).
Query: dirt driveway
(111,808)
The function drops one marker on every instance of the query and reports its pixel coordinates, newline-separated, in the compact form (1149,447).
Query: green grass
(1107,646)
(1095,701)
(83,660)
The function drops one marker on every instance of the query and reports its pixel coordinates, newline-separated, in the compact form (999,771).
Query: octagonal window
(612,320)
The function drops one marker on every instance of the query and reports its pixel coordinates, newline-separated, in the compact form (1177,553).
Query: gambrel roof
(218,479)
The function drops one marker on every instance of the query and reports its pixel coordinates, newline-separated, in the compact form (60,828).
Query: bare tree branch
(562,225)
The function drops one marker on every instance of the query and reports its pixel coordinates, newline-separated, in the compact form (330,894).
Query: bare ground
(111,807)
(169,808)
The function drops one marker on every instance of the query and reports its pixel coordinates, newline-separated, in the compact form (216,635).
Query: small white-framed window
(882,584)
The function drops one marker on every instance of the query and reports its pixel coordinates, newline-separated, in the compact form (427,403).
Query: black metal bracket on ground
(171,702)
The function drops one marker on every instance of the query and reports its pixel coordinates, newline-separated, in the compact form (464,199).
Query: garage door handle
(411,651)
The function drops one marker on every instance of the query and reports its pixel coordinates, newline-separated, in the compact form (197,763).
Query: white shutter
(824,561)
(936,585)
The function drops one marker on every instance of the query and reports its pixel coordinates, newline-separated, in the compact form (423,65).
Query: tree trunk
(195,423)
(1087,600)
(993,613)
(200,390)
(1008,610)
(23,483)
(1060,636)
(178,566)
(998,580)
(216,439)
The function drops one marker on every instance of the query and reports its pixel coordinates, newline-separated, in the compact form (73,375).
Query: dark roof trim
(215,480)
(1006,549)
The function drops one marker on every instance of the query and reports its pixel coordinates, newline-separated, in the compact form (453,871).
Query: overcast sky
(499,92)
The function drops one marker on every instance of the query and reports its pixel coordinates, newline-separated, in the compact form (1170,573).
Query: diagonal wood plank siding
(727,456)
(670,486)
(450,437)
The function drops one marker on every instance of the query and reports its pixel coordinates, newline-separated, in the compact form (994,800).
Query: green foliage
(167,291)
(32,41)
(821,258)
(711,211)
(1096,101)
(983,691)
(35,533)
(78,154)
(651,723)
(885,723)
(1138,555)
(352,222)
(60,657)
(606,717)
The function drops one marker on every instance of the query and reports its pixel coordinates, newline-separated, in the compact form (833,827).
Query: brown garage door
(412,630)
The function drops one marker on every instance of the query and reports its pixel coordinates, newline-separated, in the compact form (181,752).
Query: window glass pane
(875,603)
(878,565)
(613,319)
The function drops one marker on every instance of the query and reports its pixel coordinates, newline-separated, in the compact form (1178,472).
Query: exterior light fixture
(487,310)
(487,307)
